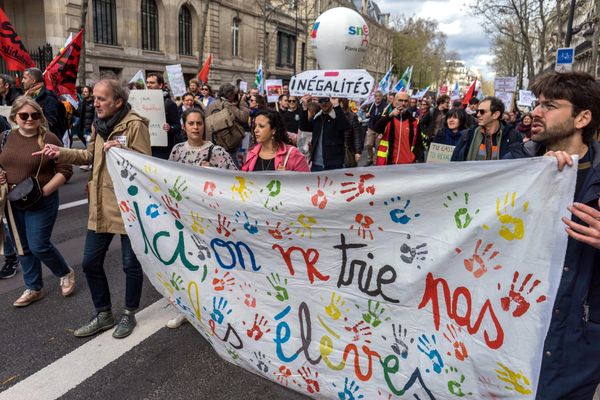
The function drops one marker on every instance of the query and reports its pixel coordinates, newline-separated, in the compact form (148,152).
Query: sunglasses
(292,101)
(25,116)
(204,88)
(481,112)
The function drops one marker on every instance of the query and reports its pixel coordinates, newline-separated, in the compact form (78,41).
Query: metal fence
(42,56)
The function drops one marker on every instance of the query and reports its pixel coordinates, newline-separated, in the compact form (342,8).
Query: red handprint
(312,385)
(518,297)
(209,188)
(359,187)
(476,263)
(171,205)
(278,233)
(453,337)
(223,227)
(364,223)
(126,209)
(248,298)
(219,283)
(360,328)
(319,199)
(284,374)
(256,332)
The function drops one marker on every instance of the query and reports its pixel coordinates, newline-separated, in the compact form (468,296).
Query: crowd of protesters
(300,134)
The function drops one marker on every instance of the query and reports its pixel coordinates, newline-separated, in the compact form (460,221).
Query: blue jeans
(96,246)
(9,247)
(35,229)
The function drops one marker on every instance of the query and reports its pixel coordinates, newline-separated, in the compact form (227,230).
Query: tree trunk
(202,36)
(82,71)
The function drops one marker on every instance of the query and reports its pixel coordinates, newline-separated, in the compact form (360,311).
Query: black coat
(86,113)
(54,111)
(353,135)
(173,118)
(11,96)
(331,131)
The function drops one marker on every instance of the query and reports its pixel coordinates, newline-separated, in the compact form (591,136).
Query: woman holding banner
(273,151)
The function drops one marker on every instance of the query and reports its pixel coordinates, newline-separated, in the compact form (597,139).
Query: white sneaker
(85,167)
(177,321)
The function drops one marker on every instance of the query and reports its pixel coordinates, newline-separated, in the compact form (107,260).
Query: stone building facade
(124,36)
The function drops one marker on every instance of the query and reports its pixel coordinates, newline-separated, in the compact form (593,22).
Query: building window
(149,25)
(235,38)
(105,21)
(285,49)
(185,31)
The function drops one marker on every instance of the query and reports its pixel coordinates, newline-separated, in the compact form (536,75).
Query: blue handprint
(399,215)
(349,392)
(218,310)
(152,211)
(428,347)
(251,228)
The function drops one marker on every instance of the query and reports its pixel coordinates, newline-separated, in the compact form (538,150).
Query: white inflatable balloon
(340,37)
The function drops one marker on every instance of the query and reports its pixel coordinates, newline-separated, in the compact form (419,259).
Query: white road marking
(72,204)
(68,372)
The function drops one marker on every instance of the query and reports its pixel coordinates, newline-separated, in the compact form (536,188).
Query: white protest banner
(243,86)
(439,153)
(507,99)
(526,98)
(274,88)
(505,84)
(150,104)
(349,83)
(5,111)
(422,281)
(176,81)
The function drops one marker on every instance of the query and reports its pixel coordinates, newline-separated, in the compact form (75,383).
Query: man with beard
(565,122)
(401,142)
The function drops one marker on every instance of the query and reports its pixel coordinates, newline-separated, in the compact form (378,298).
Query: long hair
(23,101)
(276,123)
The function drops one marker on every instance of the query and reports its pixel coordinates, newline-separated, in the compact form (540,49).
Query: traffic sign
(564,59)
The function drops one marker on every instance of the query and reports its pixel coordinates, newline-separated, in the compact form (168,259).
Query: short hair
(189,111)
(474,100)
(579,88)
(459,113)
(378,92)
(186,94)
(281,96)
(194,81)
(118,90)
(159,77)
(276,122)
(495,105)
(6,79)
(227,90)
(36,74)
(442,99)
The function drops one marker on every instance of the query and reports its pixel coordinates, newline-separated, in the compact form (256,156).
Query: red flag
(469,94)
(61,73)
(203,74)
(12,49)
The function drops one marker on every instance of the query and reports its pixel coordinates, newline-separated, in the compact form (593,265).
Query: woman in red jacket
(273,151)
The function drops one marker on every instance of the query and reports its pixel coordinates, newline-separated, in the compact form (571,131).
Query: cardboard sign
(507,99)
(274,88)
(150,104)
(439,153)
(505,84)
(526,98)
(176,81)
(345,83)
(243,86)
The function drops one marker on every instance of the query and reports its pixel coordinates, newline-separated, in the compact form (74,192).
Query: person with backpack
(54,110)
(199,152)
(226,119)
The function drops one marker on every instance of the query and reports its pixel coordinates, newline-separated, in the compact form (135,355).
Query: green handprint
(176,281)
(455,382)
(281,292)
(462,216)
(373,316)
(178,188)
(234,355)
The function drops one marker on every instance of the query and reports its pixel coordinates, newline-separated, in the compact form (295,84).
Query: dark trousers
(96,246)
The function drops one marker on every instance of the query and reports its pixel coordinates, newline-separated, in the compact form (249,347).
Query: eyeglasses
(403,100)
(549,105)
(481,111)
(34,116)
(204,88)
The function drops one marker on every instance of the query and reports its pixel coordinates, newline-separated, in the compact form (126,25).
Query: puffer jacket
(104,215)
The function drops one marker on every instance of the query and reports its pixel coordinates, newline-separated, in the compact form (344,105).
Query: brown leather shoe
(67,283)
(29,296)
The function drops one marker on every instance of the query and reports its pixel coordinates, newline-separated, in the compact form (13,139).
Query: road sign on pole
(564,59)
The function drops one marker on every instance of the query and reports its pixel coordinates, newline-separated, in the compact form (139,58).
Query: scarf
(35,90)
(482,146)
(104,127)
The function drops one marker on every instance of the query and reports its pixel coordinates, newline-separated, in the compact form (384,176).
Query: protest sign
(274,88)
(176,81)
(349,83)
(507,99)
(526,98)
(244,86)
(5,111)
(150,104)
(439,153)
(505,84)
(413,280)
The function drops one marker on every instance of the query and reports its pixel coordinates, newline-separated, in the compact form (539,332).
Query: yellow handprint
(333,309)
(198,224)
(306,225)
(165,283)
(149,169)
(514,380)
(242,189)
(512,227)
(155,185)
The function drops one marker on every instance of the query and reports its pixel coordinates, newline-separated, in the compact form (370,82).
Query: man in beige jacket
(115,126)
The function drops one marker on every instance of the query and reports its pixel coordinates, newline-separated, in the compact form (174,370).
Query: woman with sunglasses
(34,224)
(206,96)
(273,151)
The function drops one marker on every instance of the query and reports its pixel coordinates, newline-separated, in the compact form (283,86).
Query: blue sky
(465,32)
